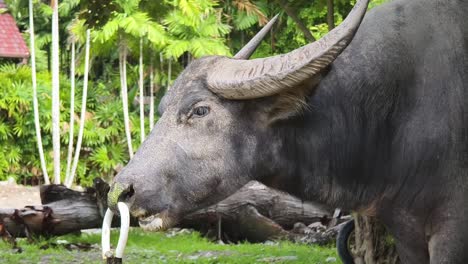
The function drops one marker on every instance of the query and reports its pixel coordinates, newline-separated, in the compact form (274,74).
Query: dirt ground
(18,196)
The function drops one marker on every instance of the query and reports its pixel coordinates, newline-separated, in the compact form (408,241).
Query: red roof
(12,44)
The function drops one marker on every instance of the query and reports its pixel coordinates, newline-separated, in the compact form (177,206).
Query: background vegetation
(173,32)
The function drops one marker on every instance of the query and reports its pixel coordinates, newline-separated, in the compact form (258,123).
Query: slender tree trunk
(69,181)
(330,15)
(293,15)
(72,110)
(142,97)
(161,62)
(272,40)
(35,102)
(151,113)
(242,38)
(169,72)
(55,92)
(123,83)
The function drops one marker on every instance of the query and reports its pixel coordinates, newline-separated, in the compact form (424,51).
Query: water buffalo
(373,117)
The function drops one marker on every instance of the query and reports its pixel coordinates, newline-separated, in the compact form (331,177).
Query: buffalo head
(216,130)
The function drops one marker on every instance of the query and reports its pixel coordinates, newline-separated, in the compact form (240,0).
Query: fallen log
(63,211)
(255,213)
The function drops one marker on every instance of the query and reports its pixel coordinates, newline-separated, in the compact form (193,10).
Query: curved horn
(249,79)
(253,44)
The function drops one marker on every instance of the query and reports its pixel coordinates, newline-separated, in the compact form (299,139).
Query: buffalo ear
(292,102)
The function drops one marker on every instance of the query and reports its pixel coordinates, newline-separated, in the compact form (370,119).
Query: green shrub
(104,148)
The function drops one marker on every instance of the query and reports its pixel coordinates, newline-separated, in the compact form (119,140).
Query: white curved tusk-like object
(105,235)
(124,227)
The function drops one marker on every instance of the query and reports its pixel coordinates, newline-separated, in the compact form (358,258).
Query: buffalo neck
(331,151)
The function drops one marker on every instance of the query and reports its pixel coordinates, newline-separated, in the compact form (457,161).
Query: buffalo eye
(201,111)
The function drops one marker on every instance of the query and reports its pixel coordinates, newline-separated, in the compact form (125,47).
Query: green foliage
(194,27)
(244,21)
(375,3)
(16,126)
(103,140)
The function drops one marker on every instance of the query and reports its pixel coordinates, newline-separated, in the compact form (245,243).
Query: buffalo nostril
(120,192)
(127,194)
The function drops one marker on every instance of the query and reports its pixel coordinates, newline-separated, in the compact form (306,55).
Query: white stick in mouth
(124,227)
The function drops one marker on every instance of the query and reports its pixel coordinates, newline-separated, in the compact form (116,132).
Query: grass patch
(160,248)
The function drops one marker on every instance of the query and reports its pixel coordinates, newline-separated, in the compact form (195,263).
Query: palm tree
(330,15)
(196,30)
(69,180)
(123,84)
(127,27)
(169,73)
(142,103)
(35,102)
(151,112)
(55,91)
(72,110)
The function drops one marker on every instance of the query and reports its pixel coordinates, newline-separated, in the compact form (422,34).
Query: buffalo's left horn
(248,79)
(253,44)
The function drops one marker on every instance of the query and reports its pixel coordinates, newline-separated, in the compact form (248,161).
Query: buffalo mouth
(156,222)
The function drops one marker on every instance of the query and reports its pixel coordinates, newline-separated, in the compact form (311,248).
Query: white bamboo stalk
(142,98)
(151,112)
(70,180)
(123,83)
(169,72)
(55,92)
(161,62)
(35,102)
(72,112)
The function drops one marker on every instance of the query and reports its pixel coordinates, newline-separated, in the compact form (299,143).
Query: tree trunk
(151,111)
(330,15)
(55,92)
(373,244)
(63,211)
(169,73)
(72,111)
(142,98)
(35,102)
(293,15)
(123,84)
(69,180)
(256,213)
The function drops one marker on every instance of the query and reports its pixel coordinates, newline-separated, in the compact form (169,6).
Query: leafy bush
(104,148)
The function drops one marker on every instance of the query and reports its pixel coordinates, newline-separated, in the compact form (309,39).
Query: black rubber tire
(342,245)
